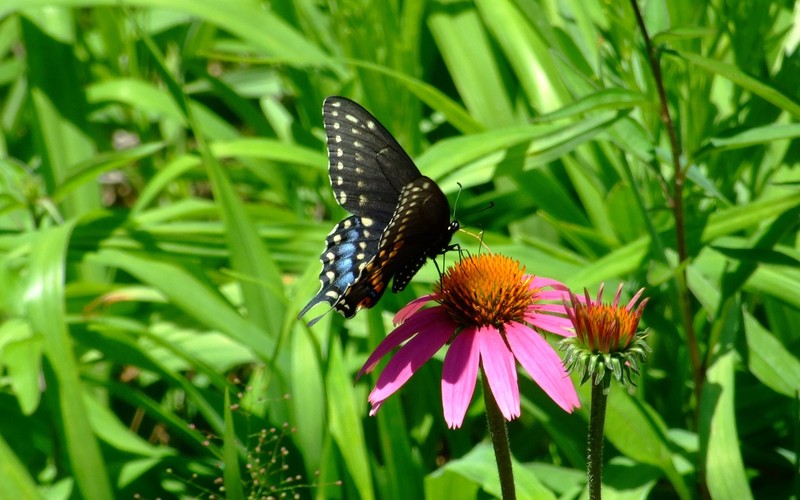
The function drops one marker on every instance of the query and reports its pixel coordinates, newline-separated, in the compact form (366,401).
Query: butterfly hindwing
(348,249)
(400,218)
(420,229)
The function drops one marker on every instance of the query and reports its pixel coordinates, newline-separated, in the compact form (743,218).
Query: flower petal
(412,307)
(400,335)
(553,324)
(459,373)
(634,299)
(539,282)
(410,358)
(557,296)
(543,364)
(551,308)
(500,369)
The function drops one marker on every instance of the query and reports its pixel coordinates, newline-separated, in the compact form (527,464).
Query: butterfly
(399,217)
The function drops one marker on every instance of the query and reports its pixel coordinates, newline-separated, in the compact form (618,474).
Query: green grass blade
(725,469)
(191,295)
(472,64)
(45,304)
(747,82)
(232,472)
(345,424)
(15,481)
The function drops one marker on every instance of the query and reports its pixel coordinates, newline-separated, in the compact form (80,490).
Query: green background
(164,199)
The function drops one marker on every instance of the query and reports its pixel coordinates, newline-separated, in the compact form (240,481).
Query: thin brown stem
(675,202)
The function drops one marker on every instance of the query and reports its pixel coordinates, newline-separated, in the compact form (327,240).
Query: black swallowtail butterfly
(400,218)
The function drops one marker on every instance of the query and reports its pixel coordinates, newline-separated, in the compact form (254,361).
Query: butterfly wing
(399,217)
(367,167)
(367,170)
(348,248)
(420,228)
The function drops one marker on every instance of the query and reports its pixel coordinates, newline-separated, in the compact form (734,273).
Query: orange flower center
(605,328)
(487,289)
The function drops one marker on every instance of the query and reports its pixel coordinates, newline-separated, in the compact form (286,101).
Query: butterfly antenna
(458,196)
(478,237)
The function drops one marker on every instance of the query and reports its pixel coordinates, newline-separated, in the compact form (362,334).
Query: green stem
(597,420)
(502,452)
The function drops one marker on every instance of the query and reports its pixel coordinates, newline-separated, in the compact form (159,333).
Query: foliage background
(164,199)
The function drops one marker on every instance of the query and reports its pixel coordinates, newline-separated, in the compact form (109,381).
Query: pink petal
(543,364)
(410,358)
(557,296)
(539,282)
(616,296)
(501,371)
(553,324)
(375,407)
(459,373)
(551,308)
(634,299)
(400,335)
(412,307)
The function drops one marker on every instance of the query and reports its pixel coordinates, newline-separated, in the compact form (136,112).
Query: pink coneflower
(607,340)
(487,308)
(607,343)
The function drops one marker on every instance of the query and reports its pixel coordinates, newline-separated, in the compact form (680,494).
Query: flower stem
(502,452)
(675,201)
(597,420)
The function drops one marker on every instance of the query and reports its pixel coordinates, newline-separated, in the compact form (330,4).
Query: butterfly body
(399,217)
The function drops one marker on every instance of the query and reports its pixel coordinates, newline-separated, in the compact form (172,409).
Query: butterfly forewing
(367,166)
(400,218)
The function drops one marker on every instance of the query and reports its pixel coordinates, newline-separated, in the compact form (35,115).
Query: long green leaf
(232,472)
(15,481)
(468,54)
(45,305)
(640,434)
(747,82)
(190,295)
(262,28)
(723,461)
(345,424)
